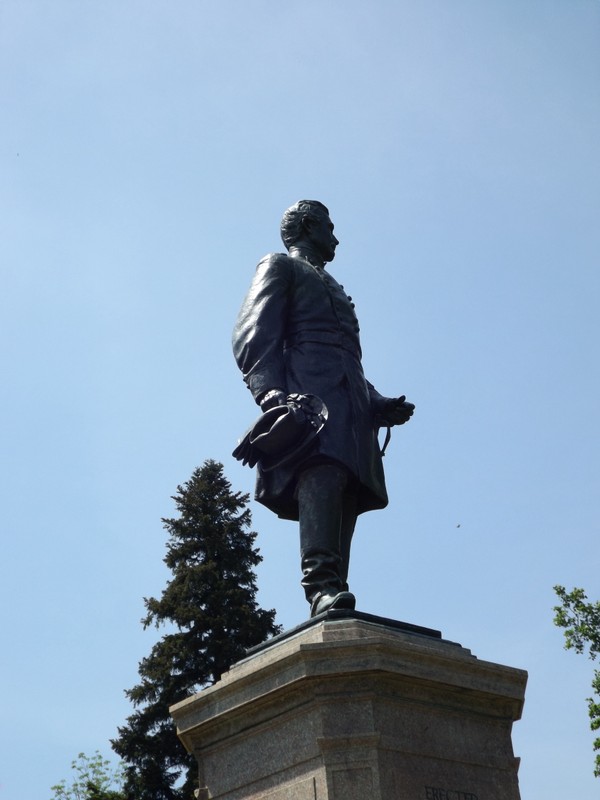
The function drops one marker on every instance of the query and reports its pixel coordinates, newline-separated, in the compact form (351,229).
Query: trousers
(327,517)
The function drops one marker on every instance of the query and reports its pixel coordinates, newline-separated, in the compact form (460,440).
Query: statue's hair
(291,223)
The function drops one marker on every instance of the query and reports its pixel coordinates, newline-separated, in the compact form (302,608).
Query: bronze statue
(297,335)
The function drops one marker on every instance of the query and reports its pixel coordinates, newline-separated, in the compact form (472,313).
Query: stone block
(353,707)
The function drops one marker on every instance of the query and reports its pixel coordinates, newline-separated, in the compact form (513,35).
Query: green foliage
(96,779)
(581,621)
(211,603)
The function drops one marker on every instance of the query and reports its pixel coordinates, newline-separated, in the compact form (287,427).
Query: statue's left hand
(395,411)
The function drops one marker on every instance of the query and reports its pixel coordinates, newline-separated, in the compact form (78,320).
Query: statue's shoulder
(277,266)
(276,260)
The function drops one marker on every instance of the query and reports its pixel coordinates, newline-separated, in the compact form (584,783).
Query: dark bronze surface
(297,332)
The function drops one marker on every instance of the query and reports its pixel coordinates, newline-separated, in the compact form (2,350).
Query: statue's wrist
(273,397)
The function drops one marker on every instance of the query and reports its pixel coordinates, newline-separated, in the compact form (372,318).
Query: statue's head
(293,221)
(308,222)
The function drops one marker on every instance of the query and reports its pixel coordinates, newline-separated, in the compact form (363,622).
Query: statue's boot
(321,505)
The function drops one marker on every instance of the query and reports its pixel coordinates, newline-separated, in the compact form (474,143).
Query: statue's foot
(325,602)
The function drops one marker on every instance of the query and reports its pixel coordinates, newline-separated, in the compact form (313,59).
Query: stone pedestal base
(352,707)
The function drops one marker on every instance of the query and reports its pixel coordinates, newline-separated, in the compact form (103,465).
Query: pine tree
(211,602)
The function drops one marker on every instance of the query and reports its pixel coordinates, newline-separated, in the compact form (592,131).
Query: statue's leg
(320,495)
(346,533)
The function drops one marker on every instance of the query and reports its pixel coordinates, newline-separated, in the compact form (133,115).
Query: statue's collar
(297,251)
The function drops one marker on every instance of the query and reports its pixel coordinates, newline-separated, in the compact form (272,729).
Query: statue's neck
(301,250)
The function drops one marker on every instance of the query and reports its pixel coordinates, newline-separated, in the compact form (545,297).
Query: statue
(296,341)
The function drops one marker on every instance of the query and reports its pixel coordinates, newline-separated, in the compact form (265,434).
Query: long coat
(297,331)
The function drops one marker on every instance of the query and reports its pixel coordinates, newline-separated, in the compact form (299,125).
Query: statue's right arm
(259,331)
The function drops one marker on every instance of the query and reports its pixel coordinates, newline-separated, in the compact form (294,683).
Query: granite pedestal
(353,707)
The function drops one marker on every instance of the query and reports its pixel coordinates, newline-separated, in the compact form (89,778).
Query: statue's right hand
(273,398)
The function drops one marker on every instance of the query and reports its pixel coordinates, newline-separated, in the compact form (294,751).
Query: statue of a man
(297,332)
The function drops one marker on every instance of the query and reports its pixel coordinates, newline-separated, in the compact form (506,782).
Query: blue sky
(147,152)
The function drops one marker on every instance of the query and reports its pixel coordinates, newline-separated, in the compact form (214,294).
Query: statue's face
(320,236)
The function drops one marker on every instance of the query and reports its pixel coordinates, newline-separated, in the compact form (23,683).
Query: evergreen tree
(211,602)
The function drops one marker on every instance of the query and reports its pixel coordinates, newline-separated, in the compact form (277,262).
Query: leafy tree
(581,621)
(211,602)
(96,779)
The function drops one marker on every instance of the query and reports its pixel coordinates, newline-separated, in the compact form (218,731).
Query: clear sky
(147,151)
